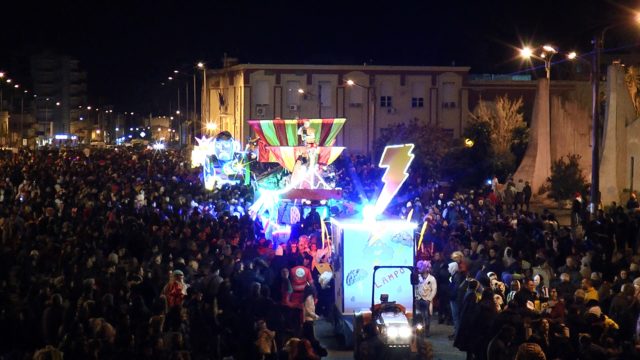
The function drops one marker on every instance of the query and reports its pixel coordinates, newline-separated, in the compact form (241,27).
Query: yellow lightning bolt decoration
(396,159)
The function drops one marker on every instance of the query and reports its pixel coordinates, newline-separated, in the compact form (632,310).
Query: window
(386,95)
(293,96)
(417,95)
(385,101)
(261,93)
(325,93)
(449,95)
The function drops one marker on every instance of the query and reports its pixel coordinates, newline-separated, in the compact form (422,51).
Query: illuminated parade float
(221,160)
(304,148)
(305,151)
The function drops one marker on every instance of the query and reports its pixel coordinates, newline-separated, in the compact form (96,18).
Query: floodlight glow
(572,55)
(396,159)
(404,332)
(61,137)
(369,213)
(526,52)
(549,48)
(158,146)
(143,134)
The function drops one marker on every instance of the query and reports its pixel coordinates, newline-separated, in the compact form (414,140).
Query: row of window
(324,91)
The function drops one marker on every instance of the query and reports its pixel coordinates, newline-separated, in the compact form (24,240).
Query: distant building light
(61,137)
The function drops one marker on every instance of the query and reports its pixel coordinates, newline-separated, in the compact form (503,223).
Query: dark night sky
(129,47)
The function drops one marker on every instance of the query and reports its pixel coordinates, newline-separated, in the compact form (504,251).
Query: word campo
(388,278)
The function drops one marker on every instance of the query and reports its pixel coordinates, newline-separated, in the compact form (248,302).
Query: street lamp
(204,96)
(545,55)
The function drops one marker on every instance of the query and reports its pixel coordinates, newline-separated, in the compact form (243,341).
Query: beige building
(370,97)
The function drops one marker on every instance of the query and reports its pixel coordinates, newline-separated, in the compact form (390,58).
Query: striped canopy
(287,155)
(285,132)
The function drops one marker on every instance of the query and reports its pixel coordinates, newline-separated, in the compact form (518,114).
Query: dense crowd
(121,253)
(516,284)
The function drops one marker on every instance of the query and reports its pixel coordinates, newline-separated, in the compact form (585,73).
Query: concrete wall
(571,130)
(620,139)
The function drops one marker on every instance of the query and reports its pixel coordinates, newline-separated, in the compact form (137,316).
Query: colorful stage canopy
(279,139)
(285,132)
(287,155)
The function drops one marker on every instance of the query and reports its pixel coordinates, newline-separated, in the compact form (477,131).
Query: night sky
(129,47)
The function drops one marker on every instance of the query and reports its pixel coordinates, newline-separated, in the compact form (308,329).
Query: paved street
(442,347)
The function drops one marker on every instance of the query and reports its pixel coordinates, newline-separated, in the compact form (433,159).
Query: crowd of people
(516,284)
(121,253)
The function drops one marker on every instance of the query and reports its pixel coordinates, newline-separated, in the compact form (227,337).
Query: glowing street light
(468,143)
(1,75)
(547,53)
(350,82)
(211,126)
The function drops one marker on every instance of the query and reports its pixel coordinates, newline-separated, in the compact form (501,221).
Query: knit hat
(457,256)
(178,272)
(596,310)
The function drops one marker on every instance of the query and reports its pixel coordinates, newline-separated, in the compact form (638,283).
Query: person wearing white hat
(176,290)
(426,290)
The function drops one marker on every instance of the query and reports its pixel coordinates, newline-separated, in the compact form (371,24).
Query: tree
(431,142)
(507,130)
(566,178)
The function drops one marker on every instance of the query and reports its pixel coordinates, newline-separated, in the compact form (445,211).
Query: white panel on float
(361,246)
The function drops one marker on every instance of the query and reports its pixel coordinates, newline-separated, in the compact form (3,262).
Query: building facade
(370,97)
(61,88)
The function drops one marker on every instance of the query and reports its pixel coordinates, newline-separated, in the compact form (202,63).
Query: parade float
(304,148)
(222,160)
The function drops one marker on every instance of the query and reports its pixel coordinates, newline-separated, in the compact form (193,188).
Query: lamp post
(1,100)
(204,97)
(545,55)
